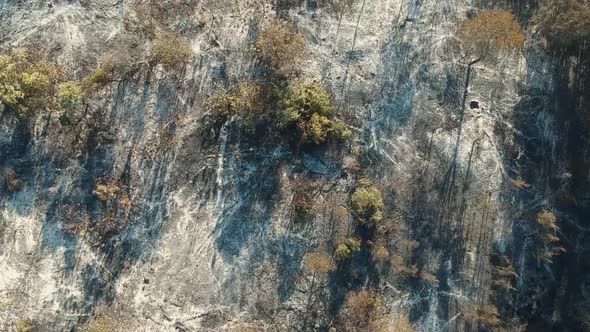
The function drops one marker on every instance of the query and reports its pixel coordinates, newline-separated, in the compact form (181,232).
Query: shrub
(306,99)
(316,129)
(345,249)
(69,95)
(103,324)
(100,76)
(367,203)
(280,45)
(11,181)
(546,219)
(27,84)
(362,306)
(484,314)
(379,252)
(310,106)
(489,31)
(247,98)
(318,262)
(106,191)
(22,325)
(170,49)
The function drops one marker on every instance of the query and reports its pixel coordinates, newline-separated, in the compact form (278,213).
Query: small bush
(22,325)
(11,181)
(107,191)
(318,262)
(362,306)
(379,252)
(280,45)
(367,203)
(69,95)
(345,249)
(103,324)
(246,99)
(170,49)
(547,219)
(102,75)
(485,314)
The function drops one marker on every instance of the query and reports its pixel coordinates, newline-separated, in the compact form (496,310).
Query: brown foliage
(11,181)
(483,314)
(318,262)
(488,31)
(170,49)
(362,306)
(280,45)
(546,219)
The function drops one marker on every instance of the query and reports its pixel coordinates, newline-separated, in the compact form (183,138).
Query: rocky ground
(210,240)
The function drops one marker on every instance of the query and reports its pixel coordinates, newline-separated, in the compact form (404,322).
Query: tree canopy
(490,31)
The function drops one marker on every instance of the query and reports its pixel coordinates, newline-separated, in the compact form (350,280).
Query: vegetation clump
(318,262)
(546,219)
(346,248)
(27,84)
(69,95)
(169,49)
(489,31)
(362,306)
(102,75)
(367,203)
(11,181)
(115,206)
(566,23)
(280,45)
(486,315)
(309,106)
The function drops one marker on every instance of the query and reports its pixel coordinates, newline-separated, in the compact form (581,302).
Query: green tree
(27,84)
(69,95)
(367,203)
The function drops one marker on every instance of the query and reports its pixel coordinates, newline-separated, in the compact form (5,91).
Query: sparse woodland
(330,165)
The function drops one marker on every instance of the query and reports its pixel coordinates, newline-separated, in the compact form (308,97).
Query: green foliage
(310,106)
(100,76)
(22,325)
(490,31)
(27,84)
(280,45)
(345,249)
(367,203)
(69,95)
(306,99)
(566,23)
(170,49)
(245,99)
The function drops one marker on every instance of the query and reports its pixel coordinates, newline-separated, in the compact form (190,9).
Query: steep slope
(210,236)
